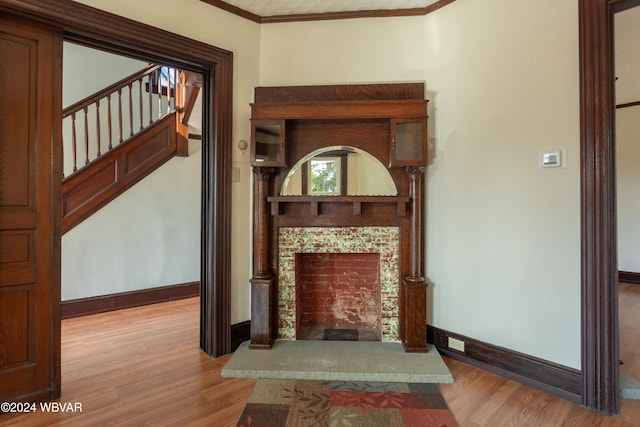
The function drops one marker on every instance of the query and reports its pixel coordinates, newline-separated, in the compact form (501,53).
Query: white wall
(628,182)
(147,237)
(86,71)
(503,237)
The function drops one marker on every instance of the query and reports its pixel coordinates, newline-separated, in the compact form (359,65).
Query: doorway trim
(600,337)
(102,30)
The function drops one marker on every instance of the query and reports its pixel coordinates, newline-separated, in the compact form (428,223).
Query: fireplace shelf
(357,201)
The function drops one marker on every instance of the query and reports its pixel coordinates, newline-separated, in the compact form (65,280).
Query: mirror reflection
(338,171)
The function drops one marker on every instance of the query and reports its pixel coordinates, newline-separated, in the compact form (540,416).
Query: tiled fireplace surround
(381,241)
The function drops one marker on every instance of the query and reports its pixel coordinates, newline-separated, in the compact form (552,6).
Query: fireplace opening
(338,296)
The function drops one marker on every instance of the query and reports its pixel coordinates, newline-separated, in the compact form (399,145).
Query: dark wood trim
(102,303)
(549,377)
(344,93)
(600,340)
(369,109)
(378,13)
(622,5)
(355,14)
(628,104)
(437,5)
(102,30)
(235,10)
(216,203)
(629,277)
(240,332)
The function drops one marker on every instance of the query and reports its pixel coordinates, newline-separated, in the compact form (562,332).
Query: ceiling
(303,10)
(299,7)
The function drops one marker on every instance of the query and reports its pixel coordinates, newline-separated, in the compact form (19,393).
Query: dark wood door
(30,179)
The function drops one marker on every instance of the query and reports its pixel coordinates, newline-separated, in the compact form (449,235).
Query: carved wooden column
(414,290)
(263,329)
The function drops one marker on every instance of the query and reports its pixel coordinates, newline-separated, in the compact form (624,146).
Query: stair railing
(164,87)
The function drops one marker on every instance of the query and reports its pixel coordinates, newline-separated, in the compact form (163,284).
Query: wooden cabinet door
(267,143)
(408,142)
(30,179)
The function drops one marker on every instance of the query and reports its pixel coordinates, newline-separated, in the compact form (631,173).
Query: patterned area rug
(306,403)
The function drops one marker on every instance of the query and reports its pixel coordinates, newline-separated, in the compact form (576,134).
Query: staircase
(127,130)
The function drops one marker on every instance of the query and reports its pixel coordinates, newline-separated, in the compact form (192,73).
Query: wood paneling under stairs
(142,366)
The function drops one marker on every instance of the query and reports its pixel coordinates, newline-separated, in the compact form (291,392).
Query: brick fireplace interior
(338,278)
(338,296)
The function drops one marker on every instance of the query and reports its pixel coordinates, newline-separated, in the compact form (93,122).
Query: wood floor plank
(142,367)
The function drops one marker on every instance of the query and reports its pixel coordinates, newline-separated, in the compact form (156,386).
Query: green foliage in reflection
(324,177)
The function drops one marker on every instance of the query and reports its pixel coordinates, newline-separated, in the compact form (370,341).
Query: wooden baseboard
(549,377)
(629,277)
(240,332)
(102,303)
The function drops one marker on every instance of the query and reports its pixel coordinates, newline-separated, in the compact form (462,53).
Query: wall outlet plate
(456,344)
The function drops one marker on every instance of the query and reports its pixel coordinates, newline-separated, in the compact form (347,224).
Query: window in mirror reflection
(358,174)
(324,176)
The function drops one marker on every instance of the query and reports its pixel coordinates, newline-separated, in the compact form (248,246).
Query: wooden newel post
(263,329)
(414,289)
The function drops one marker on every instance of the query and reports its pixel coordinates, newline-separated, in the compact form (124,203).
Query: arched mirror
(338,171)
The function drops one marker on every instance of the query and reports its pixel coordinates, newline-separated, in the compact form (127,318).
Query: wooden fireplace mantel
(295,121)
(356,202)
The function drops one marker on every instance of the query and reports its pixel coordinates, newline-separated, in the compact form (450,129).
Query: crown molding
(378,13)
(235,10)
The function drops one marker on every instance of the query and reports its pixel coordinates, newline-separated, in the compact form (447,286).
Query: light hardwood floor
(142,366)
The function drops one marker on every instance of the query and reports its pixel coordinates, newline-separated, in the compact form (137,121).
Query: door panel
(30,179)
